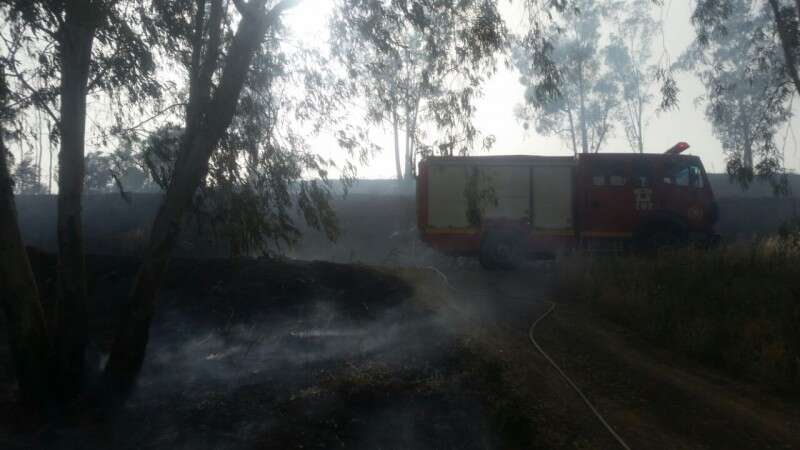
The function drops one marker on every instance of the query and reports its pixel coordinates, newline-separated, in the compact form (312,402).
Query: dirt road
(654,399)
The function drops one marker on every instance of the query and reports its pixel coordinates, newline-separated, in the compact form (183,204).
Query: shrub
(736,307)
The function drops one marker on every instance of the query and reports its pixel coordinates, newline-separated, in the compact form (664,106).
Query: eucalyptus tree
(418,63)
(628,58)
(748,93)
(55,53)
(569,93)
(27,334)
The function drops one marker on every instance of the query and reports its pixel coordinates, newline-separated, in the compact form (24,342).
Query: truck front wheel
(661,238)
(500,250)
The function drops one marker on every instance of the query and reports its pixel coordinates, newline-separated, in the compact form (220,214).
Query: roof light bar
(677,149)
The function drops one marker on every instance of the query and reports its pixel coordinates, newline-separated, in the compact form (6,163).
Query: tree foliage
(121,66)
(739,59)
(26,176)
(628,57)
(569,93)
(419,63)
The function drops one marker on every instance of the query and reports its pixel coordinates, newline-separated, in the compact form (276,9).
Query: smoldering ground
(271,354)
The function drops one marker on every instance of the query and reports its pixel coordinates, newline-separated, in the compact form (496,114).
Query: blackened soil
(278,354)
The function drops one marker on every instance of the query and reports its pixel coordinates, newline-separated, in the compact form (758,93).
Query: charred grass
(735,307)
(282,354)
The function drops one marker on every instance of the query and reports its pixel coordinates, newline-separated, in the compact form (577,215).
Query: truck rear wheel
(500,251)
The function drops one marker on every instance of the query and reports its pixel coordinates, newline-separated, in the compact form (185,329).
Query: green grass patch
(736,307)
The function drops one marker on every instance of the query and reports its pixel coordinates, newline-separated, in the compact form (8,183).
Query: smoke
(185,352)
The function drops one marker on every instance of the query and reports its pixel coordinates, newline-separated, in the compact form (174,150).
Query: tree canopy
(420,63)
(738,55)
(575,98)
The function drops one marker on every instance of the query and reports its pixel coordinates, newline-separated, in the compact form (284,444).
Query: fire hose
(547,357)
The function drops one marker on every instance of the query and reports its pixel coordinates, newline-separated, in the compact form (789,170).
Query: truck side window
(609,174)
(616,180)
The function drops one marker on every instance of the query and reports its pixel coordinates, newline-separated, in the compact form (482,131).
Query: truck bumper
(704,239)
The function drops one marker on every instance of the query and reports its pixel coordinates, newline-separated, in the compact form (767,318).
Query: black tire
(500,251)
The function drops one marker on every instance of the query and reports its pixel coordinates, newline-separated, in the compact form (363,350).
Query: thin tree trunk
(50,169)
(747,153)
(406,148)
(396,144)
(582,118)
(76,51)
(128,351)
(38,151)
(410,159)
(19,296)
(572,133)
(639,125)
(411,132)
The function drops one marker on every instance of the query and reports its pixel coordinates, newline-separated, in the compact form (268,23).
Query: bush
(736,307)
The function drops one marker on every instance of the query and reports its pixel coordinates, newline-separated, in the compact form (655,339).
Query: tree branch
(34,93)
(154,116)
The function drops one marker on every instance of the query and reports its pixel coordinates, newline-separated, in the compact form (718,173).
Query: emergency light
(677,149)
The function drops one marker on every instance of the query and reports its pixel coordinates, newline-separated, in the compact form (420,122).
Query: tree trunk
(19,296)
(572,132)
(406,148)
(71,332)
(396,144)
(411,141)
(50,169)
(748,157)
(747,152)
(788,39)
(582,118)
(639,122)
(197,146)
(409,174)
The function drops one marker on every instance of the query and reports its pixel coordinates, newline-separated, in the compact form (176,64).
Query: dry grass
(736,307)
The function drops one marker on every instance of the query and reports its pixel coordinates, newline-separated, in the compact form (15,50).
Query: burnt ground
(286,354)
(276,354)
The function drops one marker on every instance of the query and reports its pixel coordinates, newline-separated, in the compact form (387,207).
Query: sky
(495,110)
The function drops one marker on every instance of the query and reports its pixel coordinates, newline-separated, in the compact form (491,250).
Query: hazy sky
(308,22)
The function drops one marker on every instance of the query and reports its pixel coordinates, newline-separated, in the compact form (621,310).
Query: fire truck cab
(503,207)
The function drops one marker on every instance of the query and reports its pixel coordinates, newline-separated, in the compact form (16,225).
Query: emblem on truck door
(695,213)
(644,199)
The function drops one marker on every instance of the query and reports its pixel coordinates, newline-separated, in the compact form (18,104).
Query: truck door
(608,199)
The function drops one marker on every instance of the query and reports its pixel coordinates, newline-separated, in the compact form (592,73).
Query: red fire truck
(503,207)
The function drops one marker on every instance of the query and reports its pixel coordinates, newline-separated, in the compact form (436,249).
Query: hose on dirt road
(547,357)
(569,380)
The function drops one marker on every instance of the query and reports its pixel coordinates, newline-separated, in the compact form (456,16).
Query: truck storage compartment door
(552,197)
(505,192)
(447,204)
